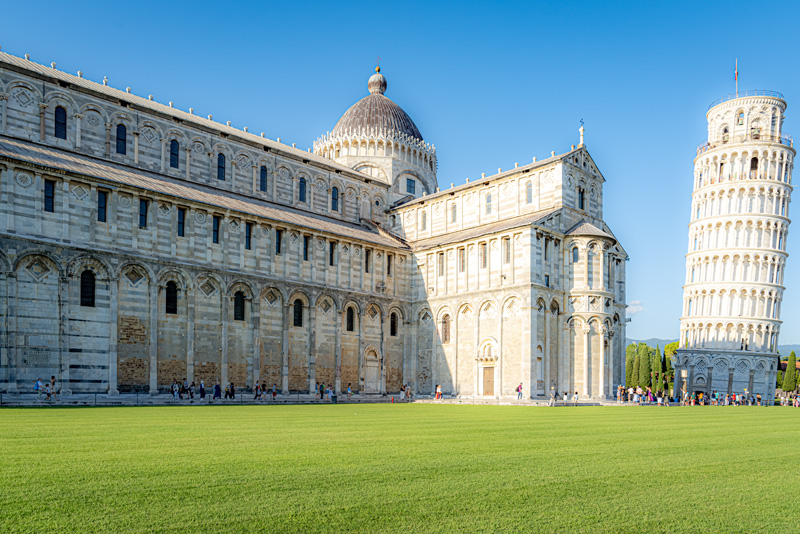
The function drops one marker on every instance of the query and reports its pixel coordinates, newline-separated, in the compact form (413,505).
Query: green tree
(644,365)
(635,372)
(790,376)
(630,358)
(779,381)
(655,365)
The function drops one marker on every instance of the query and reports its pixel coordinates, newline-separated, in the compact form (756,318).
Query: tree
(779,382)
(635,372)
(644,365)
(655,365)
(790,376)
(630,358)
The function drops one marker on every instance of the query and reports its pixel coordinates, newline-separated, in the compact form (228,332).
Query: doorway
(488,380)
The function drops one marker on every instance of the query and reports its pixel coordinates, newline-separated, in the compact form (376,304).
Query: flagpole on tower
(736,77)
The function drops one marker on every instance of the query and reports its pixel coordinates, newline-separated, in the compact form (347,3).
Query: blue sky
(490,84)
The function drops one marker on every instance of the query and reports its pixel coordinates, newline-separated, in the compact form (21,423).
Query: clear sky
(490,84)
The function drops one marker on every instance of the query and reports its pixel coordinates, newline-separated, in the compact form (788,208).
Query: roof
(585,228)
(7,60)
(53,158)
(376,114)
(485,229)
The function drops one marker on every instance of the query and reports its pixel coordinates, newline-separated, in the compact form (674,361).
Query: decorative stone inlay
(358,251)
(760,367)
(271,297)
(512,308)
(506,190)
(701,366)
(80,192)
(373,312)
(207,288)
(378,255)
(426,319)
(294,237)
(265,231)
(198,148)
(22,97)
(163,209)
(345,250)
(243,162)
(38,269)
(133,275)
(721,366)
(488,312)
(401,260)
(320,185)
(320,243)
(283,173)
(200,217)
(124,200)
(742,367)
(326,306)
(149,135)
(233,225)
(93,119)
(23,179)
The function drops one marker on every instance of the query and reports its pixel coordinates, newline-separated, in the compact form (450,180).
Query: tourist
(402,392)
(47,392)
(659,397)
(191,390)
(631,394)
(202,390)
(53,390)
(175,394)
(575,398)
(37,387)
(316,391)
(217,392)
(186,387)
(256,391)
(620,393)
(519,391)
(408,393)
(566,398)
(552,396)
(233,391)
(330,394)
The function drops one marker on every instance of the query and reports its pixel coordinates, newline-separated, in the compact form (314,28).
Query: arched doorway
(372,371)
(487,369)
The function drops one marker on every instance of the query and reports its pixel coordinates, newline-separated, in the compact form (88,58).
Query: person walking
(217,392)
(256,391)
(575,398)
(402,392)
(552,401)
(316,391)
(202,390)
(519,391)
(53,389)
(37,387)
(274,392)
(566,398)
(349,391)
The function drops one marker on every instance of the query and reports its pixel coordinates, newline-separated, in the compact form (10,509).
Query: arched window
(575,256)
(393,324)
(453,213)
(301,193)
(263,182)
(351,320)
(725,135)
(87,289)
(122,139)
(335,199)
(171,305)
(740,119)
(61,122)
(488,203)
(238,306)
(581,199)
(220,166)
(173,154)
(298,312)
(529,193)
(424,222)
(446,329)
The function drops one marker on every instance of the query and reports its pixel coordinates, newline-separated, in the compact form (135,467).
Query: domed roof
(376,114)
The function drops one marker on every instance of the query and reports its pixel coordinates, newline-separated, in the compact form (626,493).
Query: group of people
(48,390)
(790,399)
(179,389)
(554,397)
(642,396)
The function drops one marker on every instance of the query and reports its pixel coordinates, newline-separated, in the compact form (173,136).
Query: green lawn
(399,468)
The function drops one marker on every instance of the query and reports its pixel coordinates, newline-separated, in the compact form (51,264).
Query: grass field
(399,468)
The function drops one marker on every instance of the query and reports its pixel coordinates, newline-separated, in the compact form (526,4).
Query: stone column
(63,336)
(188,162)
(136,148)
(42,107)
(285,349)
(312,348)
(602,368)
(383,354)
(11,318)
(730,379)
(112,337)
(586,267)
(190,334)
(256,331)
(602,263)
(153,348)
(78,118)
(586,330)
(338,351)
(361,370)
(4,112)
(454,338)
(750,381)
(163,159)
(225,301)
(108,139)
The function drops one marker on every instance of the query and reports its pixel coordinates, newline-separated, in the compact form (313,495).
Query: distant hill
(784,350)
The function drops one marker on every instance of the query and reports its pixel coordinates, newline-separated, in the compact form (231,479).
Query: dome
(376,114)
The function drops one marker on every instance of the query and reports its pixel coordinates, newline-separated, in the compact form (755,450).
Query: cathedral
(140,243)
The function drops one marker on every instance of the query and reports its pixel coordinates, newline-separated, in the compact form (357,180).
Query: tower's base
(726,372)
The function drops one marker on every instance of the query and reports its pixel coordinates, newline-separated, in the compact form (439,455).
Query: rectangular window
(547,280)
(248,236)
(278,239)
(462,260)
(102,206)
(306,246)
(142,213)
(332,253)
(181,222)
(441,264)
(367,259)
(215,220)
(545,248)
(506,250)
(484,255)
(49,196)
(389,260)
(411,186)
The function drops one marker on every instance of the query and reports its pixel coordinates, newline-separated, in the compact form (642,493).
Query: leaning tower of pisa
(737,248)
